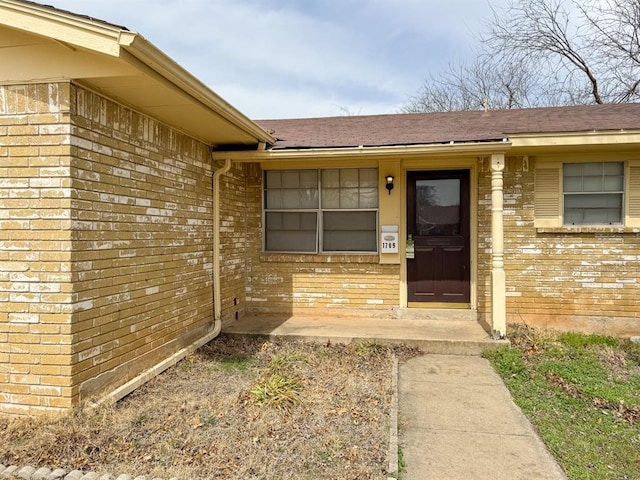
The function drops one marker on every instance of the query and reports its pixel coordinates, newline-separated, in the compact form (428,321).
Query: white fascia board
(576,139)
(150,56)
(61,26)
(404,151)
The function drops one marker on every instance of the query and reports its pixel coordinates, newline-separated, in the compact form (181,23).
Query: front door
(438,222)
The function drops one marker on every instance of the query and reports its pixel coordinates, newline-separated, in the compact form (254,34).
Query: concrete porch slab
(453,337)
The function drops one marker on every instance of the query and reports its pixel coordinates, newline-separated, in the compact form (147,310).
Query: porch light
(389,185)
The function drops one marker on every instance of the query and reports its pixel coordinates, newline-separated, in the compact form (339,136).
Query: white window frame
(319,211)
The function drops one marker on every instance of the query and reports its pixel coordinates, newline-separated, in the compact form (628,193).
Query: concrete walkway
(457,421)
(456,418)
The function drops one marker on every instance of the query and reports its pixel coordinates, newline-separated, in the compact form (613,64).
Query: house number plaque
(389,239)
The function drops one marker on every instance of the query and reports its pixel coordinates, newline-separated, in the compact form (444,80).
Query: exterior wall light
(389,185)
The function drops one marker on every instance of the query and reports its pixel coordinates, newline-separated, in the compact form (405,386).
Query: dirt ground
(238,408)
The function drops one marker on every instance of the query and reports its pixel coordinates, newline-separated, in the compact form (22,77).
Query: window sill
(320,257)
(589,229)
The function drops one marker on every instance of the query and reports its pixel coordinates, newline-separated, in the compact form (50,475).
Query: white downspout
(152,372)
(217,301)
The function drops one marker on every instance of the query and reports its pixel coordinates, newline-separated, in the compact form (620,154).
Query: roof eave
(62,26)
(405,151)
(118,42)
(572,140)
(143,51)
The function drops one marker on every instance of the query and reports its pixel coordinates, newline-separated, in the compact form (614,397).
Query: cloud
(301,58)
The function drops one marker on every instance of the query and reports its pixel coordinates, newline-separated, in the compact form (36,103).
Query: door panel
(438,221)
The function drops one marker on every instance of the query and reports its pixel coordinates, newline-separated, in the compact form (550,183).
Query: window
(587,194)
(593,193)
(341,204)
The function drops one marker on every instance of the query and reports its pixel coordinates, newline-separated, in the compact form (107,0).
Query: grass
(582,393)
(236,409)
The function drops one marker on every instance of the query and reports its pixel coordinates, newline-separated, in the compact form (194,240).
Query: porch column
(498,296)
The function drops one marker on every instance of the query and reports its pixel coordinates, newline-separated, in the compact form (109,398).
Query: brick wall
(483,286)
(142,242)
(579,281)
(286,283)
(235,240)
(105,245)
(35,249)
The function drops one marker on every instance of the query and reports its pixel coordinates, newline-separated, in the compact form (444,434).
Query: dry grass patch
(236,409)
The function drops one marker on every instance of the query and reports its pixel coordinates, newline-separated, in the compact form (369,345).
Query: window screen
(332,210)
(593,193)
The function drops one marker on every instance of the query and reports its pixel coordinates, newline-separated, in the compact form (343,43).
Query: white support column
(498,295)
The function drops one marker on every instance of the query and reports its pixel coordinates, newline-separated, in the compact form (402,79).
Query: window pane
(290,232)
(290,199)
(572,184)
(290,179)
(330,198)
(349,177)
(349,198)
(309,198)
(438,207)
(368,198)
(602,216)
(274,198)
(613,184)
(614,168)
(273,180)
(309,179)
(606,200)
(593,209)
(368,177)
(349,231)
(331,178)
(572,169)
(593,169)
(592,184)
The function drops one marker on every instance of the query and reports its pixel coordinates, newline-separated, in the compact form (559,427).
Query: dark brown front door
(438,221)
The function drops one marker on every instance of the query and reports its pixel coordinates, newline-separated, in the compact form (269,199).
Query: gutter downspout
(217,301)
(154,371)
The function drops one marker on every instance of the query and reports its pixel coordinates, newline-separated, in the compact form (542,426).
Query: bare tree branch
(545,52)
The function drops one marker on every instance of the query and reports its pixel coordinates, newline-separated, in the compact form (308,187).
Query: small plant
(580,340)
(370,348)
(402,466)
(281,361)
(277,390)
(507,361)
(240,363)
(208,420)
(139,420)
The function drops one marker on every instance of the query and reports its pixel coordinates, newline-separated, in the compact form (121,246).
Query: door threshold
(439,305)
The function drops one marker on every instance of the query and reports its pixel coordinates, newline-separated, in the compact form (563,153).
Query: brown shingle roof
(446,127)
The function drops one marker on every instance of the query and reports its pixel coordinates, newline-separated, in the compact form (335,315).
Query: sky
(304,58)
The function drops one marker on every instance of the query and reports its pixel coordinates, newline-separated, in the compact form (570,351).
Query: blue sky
(304,58)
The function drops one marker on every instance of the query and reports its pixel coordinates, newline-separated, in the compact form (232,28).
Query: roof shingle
(446,127)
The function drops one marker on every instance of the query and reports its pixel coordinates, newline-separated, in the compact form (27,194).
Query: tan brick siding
(284,283)
(235,241)
(35,249)
(105,245)
(142,242)
(579,281)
